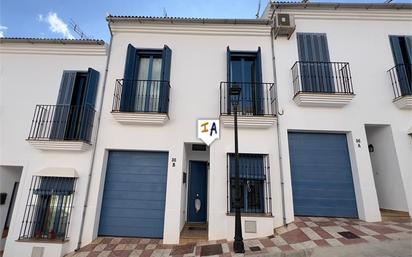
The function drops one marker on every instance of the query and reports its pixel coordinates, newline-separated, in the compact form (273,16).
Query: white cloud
(56,24)
(2,28)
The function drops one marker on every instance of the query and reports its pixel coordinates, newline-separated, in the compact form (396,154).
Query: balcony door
(244,70)
(315,67)
(402,55)
(148,83)
(145,85)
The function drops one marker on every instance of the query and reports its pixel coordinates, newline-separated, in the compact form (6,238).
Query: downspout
(278,114)
(89,178)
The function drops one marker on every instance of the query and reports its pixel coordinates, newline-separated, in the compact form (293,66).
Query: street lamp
(238,245)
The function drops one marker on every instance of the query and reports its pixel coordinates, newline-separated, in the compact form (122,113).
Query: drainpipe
(89,178)
(282,183)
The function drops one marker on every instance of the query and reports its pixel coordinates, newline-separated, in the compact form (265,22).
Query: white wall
(385,165)
(198,66)
(359,37)
(30,74)
(9,175)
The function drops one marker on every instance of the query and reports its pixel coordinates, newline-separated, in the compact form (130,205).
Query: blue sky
(49,18)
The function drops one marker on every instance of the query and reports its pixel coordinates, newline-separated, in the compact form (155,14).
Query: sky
(52,18)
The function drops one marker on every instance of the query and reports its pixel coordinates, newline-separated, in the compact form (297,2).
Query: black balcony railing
(256,99)
(401,78)
(62,122)
(322,77)
(141,96)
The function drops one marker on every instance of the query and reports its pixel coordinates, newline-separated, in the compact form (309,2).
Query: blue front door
(197,194)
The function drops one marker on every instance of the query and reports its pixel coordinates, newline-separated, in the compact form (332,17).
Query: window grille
(48,208)
(254,183)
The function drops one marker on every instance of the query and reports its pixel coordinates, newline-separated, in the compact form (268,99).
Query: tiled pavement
(305,232)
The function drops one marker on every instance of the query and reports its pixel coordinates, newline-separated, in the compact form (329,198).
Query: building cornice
(46,48)
(192,29)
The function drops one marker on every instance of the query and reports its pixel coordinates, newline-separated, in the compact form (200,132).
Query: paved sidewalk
(305,233)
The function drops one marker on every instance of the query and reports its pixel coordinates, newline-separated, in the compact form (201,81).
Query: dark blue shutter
(250,166)
(396,49)
(87,112)
(229,79)
(164,87)
(55,186)
(316,69)
(62,109)
(130,74)
(408,41)
(258,84)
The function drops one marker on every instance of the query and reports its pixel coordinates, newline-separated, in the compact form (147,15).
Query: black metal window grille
(62,122)
(401,79)
(322,77)
(256,99)
(48,209)
(254,175)
(141,96)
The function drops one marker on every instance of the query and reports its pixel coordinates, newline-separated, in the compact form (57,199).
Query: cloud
(56,24)
(2,29)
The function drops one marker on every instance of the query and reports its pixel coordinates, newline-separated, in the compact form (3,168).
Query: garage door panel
(134,194)
(321,173)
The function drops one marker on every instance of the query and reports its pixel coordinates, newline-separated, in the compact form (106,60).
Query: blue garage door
(134,194)
(322,181)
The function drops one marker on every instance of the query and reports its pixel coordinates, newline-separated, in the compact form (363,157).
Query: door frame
(188,190)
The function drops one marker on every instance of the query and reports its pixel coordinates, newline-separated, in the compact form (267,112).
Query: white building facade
(321,132)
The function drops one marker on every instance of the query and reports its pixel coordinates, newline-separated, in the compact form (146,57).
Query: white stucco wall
(30,75)
(360,37)
(198,66)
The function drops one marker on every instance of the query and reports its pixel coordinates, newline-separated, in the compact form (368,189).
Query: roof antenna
(73,25)
(258,10)
(164,12)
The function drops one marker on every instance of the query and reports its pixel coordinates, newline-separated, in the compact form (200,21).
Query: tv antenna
(76,28)
(164,12)
(258,10)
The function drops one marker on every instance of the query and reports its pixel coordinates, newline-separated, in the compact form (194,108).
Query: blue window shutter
(164,87)
(229,77)
(408,40)
(62,109)
(130,74)
(87,111)
(91,87)
(403,71)
(250,166)
(258,86)
(396,49)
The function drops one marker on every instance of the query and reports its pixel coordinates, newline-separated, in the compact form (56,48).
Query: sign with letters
(208,130)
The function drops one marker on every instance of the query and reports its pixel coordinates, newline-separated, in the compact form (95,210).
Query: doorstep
(304,233)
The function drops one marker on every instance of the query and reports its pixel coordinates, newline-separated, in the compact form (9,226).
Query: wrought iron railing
(322,77)
(256,99)
(48,208)
(401,79)
(141,96)
(62,122)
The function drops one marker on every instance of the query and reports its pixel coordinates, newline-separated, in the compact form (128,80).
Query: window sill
(45,241)
(404,102)
(255,122)
(259,215)
(145,118)
(60,145)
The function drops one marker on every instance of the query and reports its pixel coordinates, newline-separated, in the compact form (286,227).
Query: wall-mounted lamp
(410,131)
(371,148)
(3,197)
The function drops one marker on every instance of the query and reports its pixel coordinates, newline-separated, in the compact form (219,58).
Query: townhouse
(324,115)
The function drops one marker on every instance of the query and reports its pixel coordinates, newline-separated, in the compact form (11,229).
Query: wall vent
(198,147)
(250,226)
(37,251)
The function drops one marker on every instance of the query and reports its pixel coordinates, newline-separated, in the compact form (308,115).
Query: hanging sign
(208,130)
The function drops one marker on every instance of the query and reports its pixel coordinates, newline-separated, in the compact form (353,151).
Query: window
(145,85)
(402,54)
(245,70)
(254,183)
(48,209)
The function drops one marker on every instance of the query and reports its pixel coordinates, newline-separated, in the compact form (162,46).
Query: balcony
(62,127)
(322,84)
(141,101)
(401,79)
(256,107)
